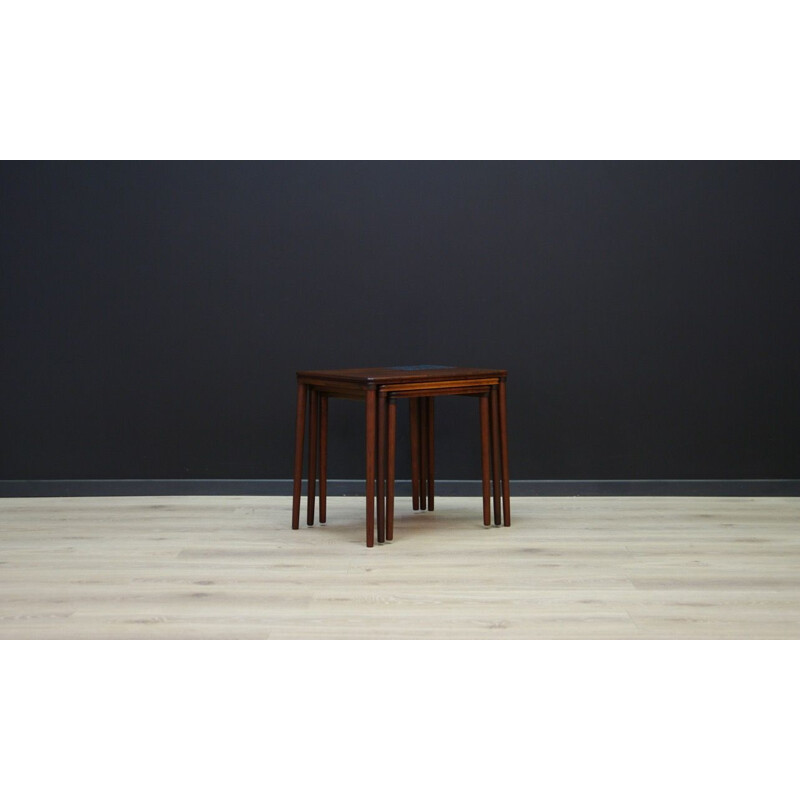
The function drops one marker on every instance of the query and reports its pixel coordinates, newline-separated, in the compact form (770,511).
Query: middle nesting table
(380,388)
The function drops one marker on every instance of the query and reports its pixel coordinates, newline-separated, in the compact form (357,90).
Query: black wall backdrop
(153,314)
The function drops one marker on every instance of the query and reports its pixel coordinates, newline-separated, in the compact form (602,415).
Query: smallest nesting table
(379,388)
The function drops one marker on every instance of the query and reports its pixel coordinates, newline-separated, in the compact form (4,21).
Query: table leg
(370,446)
(313,442)
(493,402)
(423,454)
(504,454)
(323,458)
(391,435)
(485,458)
(413,411)
(381,467)
(299,431)
(431,459)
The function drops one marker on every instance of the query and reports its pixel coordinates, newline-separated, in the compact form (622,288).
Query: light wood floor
(231,568)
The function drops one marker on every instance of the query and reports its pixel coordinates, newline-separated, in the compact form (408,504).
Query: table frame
(380,389)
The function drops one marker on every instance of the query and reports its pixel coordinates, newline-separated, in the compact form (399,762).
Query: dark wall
(153,314)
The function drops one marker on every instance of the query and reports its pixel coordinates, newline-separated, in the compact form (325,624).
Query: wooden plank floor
(568,568)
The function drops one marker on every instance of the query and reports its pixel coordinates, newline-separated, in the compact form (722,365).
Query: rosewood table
(380,388)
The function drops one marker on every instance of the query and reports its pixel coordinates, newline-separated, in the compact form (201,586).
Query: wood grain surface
(232,568)
(365,376)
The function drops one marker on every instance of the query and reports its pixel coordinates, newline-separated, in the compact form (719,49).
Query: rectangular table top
(365,376)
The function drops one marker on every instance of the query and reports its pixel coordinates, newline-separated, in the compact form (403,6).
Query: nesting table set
(380,388)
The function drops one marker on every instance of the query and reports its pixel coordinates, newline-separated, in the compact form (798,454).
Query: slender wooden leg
(323,459)
(381,467)
(495,453)
(431,459)
(413,411)
(485,457)
(370,443)
(504,454)
(423,454)
(313,440)
(391,435)
(299,431)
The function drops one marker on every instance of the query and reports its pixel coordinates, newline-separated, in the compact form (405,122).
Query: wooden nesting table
(380,388)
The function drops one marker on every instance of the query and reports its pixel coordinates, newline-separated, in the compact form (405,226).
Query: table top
(404,374)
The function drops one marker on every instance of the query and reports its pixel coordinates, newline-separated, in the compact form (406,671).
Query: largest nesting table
(379,388)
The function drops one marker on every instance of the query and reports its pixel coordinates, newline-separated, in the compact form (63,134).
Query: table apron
(330,387)
(451,392)
(438,387)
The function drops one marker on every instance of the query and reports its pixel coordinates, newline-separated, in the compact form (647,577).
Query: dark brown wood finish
(381,388)
(430,448)
(395,375)
(391,435)
(413,411)
(313,438)
(371,413)
(323,458)
(381,467)
(485,458)
(504,453)
(493,402)
(423,454)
